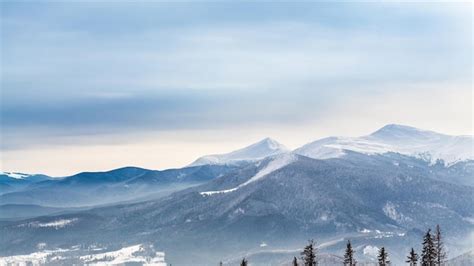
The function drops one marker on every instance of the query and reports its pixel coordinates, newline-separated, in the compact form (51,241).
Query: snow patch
(35,258)
(390,211)
(54,224)
(371,251)
(124,255)
(15,175)
(239,211)
(57,224)
(275,164)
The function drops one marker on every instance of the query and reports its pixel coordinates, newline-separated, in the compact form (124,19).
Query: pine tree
(439,247)
(244,262)
(428,254)
(295,262)
(383,257)
(309,254)
(412,258)
(349,255)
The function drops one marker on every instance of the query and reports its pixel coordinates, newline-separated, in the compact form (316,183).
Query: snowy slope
(14,175)
(274,164)
(428,145)
(259,150)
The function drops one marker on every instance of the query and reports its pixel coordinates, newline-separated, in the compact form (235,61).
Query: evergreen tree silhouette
(439,247)
(309,254)
(383,257)
(428,254)
(412,258)
(349,255)
(295,262)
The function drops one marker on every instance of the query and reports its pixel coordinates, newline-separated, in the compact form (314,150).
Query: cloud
(76,74)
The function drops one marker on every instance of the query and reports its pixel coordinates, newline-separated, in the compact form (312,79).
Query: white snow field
(130,254)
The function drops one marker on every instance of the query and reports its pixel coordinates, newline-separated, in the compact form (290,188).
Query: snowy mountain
(383,189)
(259,150)
(281,201)
(427,145)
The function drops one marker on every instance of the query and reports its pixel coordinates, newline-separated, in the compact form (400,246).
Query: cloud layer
(80,75)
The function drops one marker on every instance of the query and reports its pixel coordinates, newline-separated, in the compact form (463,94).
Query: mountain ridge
(368,198)
(427,145)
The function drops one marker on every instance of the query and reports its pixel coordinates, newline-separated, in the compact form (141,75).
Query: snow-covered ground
(124,255)
(36,258)
(141,254)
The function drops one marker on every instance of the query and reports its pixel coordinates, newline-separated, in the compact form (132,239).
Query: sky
(95,86)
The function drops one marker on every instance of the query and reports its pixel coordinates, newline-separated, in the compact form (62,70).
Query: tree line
(432,254)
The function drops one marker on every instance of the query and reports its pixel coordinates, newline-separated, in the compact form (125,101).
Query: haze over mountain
(369,195)
(10,182)
(155,124)
(372,199)
(123,184)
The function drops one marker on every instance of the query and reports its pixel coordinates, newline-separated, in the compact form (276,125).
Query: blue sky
(93,86)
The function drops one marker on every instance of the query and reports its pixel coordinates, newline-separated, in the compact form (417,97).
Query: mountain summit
(264,148)
(395,132)
(427,145)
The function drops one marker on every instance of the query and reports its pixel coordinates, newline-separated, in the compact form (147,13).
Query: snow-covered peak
(428,145)
(401,133)
(256,151)
(263,148)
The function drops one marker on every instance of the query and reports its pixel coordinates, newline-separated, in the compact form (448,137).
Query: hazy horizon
(243,145)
